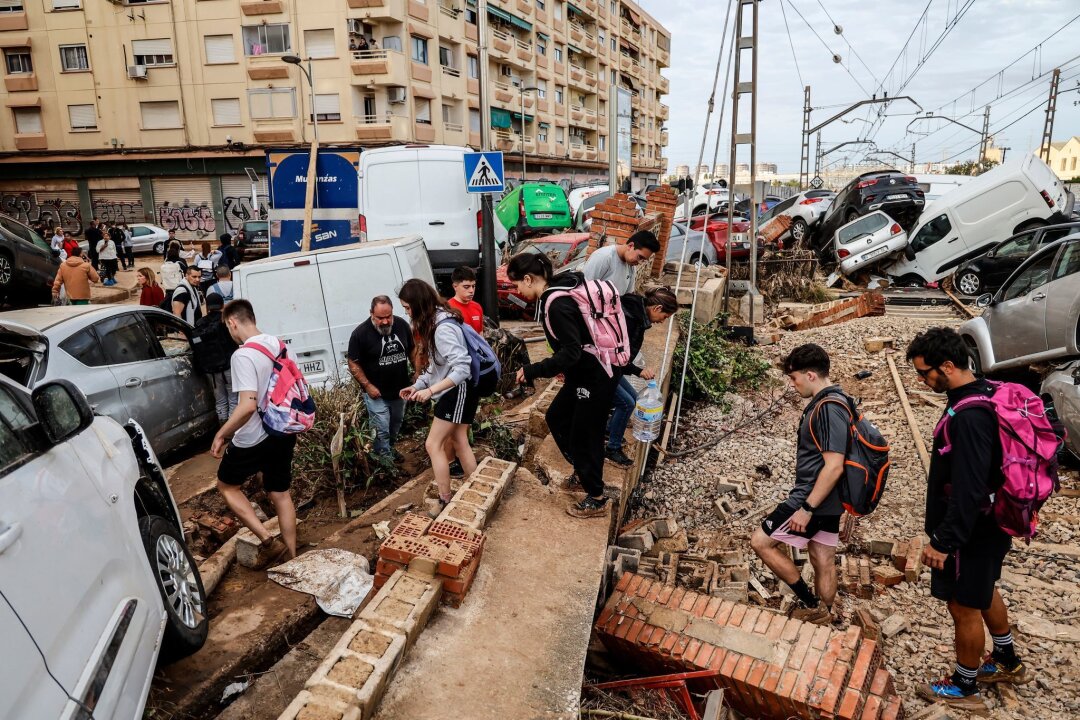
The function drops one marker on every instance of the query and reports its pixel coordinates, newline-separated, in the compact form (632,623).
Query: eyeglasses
(927,371)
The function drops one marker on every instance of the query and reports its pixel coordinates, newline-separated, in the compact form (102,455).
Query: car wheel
(976,359)
(700,210)
(912,280)
(798,231)
(852,214)
(697,258)
(968,283)
(7,272)
(159,248)
(512,239)
(180,585)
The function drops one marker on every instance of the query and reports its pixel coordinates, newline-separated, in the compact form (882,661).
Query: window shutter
(327,104)
(11,4)
(219,49)
(320,43)
(282,104)
(259,104)
(162,46)
(82,116)
(226,111)
(28,120)
(65,4)
(160,115)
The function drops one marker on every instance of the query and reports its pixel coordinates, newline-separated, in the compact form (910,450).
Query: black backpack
(866,463)
(212,345)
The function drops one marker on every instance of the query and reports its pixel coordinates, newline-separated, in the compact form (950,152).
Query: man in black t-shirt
(93,235)
(379,351)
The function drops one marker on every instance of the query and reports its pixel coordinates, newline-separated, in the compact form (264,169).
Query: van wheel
(911,280)
(512,239)
(180,585)
(1029,225)
(969,283)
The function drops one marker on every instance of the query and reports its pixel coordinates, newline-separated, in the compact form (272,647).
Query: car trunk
(23,351)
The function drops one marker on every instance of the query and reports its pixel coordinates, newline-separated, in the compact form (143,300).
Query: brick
(379,649)
(634,632)
(899,557)
(451,531)
(624,582)
(882,684)
(402,549)
(871,708)
(862,672)
(388,567)
(893,710)
(459,584)
(325,707)
(913,563)
(404,604)
(456,561)
(866,622)
(850,706)
(700,605)
(412,525)
(893,625)
(763,622)
(462,513)
(887,576)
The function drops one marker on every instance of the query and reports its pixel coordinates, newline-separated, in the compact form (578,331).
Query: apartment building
(153,110)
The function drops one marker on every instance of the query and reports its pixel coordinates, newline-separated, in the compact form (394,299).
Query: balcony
(524,51)
(663,111)
(577,31)
(590,6)
(378,9)
(261,7)
(267,67)
(577,151)
(625,61)
(380,128)
(504,140)
(663,137)
(663,84)
(31,141)
(590,152)
(424,131)
(20,82)
(274,131)
(524,8)
(504,93)
(577,114)
(13,21)
(379,67)
(635,101)
(502,44)
(418,10)
(663,57)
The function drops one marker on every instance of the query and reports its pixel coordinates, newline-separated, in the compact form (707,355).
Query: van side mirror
(985,300)
(909,253)
(62,410)
(1076,375)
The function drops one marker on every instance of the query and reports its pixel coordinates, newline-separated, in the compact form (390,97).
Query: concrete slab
(516,647)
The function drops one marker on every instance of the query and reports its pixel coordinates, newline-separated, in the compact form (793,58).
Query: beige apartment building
(153,109)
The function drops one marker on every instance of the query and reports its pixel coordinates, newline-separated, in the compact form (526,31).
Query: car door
(1061,299)
(173,337)
(1018,319)
(35,261)
(142,239)
(83,361)
(1002,260)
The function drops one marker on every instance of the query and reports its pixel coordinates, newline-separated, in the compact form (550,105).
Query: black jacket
(961,481)
(637,322)
(569,333)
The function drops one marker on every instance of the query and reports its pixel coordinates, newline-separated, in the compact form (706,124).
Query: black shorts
(822,529)
(272,457)
(970,573)
(458,405)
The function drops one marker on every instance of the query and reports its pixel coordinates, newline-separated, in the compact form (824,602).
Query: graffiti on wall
(239,210)
(32,207)
(117,211)
(197,220)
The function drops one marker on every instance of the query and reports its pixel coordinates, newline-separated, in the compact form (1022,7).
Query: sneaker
(273,549)
(944,691)
(819,615)
(456,471)
(435,507)
(618,457)
(571,484)
(588,508)
(994,671)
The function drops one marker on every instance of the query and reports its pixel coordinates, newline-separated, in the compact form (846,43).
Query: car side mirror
(992,253)
(985,300)
(62,410)
(909,253)
(1076,376)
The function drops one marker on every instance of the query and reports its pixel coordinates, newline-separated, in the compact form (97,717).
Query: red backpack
(287,408)
(601,308)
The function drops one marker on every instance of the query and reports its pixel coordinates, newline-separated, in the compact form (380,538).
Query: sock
(805,594)
(1004,650)
(964,678)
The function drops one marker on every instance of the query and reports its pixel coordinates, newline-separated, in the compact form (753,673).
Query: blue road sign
(484,172)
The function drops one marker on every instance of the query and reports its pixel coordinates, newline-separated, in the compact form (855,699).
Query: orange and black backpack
(866,462)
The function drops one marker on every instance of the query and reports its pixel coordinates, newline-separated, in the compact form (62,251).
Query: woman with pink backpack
(588,348)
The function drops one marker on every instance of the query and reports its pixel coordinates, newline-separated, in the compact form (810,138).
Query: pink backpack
(287,408)
(600,306)
(1029,449)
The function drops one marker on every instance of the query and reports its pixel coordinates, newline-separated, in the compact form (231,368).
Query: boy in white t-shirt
(252,450)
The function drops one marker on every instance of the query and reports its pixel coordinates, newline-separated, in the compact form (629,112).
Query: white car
(147,238)
(95,578)
(805,210)
(1060,392)
(868,240)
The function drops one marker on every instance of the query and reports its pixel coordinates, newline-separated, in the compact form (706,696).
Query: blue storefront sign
(335,217)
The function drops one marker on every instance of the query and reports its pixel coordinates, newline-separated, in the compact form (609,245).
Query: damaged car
(892,192)
(1060,392)
(867,241)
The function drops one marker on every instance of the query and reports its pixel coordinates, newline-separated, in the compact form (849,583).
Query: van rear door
(391,188)
(1044,179)
(446,216)
(413,262)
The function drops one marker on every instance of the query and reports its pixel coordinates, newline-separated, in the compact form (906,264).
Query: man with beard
(379,351)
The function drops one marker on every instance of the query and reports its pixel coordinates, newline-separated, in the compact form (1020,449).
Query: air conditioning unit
(137,72)
(356,27)
(396,95)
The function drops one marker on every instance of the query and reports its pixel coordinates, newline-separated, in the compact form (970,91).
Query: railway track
(926,303)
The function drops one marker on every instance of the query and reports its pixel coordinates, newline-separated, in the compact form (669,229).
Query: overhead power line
(832,52)
(792,44)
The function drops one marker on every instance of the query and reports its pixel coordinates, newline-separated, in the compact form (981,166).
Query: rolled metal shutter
(185,205)
(27,204)
(236,199)
(118,205)
(219,49)
(157,46)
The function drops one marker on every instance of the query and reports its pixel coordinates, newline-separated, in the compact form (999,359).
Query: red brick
(801,692)
(785,688)
(887,576)
(676,598)
(636,627)
(402,549)
(882,685)
(730,661)
(604,617)
(724,613)
(768,687)
(862,671)
(690,654)
(835,689)
(776,627)
(388,567)
(871,708)
(655,638)
(713,607)
(738,612)
(850,706)
(457,559)
(665,594)
(852,638)
(704,656)
(751,617)
(821,638)
(688,601)
(460,584)
(679,651)
(668,642)
(754,680)
(654,592)
(635,583)
(893,710)
(412,525)
(763,623)
(802,645)
(622,627)
(739,678)
(716,662)
(818,690)
(791,630)
(700,604)
(624,582)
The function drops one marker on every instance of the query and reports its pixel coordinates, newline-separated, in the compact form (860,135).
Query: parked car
(895,193)
(1035,316)
(865,241)
(581,192)
(583,212)
(709,196)
(147,238)
(718,234)
(256,242)
(565,251)
(529,210)
(742,207)
(1060,392)
(805,210)
(1022,194)
(97,579)
(131,361)
(696,249)
(28,265)
(986,272)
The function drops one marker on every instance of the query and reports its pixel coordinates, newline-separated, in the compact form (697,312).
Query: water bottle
(648,414)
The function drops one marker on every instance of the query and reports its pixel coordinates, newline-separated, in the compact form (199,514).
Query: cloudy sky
(987,36)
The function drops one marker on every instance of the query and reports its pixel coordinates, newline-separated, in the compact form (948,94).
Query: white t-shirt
(251,373)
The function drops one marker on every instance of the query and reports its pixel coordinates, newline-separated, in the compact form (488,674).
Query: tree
(970,167)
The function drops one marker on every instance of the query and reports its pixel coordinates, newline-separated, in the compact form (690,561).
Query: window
(931,232)
(1069,262)
(474,67)
(267,39)
(614,7)
(560,135)
(419,49)
(558,10)
(601,37)
(27,120)
(558,54)
(541,47)
(66,4)
(11,6)
(320,43)
(73,58)
(1017,246)
(152,52)
(1034,275)
(558,94)
(272,103)
(613,77)
(540,4)
(328,107)
(542,135)
(1072,164)
(474,120)
(423,111)
(470,15)
(18,61)
(541,88)
(84,347)
(861,228)
(392,42)
(160,115)
(448,115)
(613,46)
(82,117)
(125,340)
(602,144)
(170,334)
(219,49)
(446,56)
(13,448)
(226,111)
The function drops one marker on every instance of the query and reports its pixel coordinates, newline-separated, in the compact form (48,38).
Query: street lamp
(521,96)
(297,60)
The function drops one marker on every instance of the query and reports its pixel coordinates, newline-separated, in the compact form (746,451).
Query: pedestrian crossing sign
(484,172)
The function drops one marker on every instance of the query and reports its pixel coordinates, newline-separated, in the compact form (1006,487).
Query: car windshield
(861,228)
(255,226)
(558,253)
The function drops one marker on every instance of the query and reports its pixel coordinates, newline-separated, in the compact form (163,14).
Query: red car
(718,236)
(566,252)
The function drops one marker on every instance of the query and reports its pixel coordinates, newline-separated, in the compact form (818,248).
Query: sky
(987,36)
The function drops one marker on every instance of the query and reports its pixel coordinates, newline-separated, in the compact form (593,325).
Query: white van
(420,190)
(965,222)
(934,186)
(313,301)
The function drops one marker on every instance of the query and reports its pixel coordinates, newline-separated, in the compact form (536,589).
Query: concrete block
(249,549)
(725,488)
(913,563)
(723,509)
(881,547)
(307,705)
(404,604)
(894,625)
(494,471)
(470,516)
(665,527)
(359,667)
(877,344)
(757,302)
(625,564)
(551,464)
(482,492)
(640,539)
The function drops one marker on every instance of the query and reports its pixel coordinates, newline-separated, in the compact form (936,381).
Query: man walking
(213,347)
(185,301)
(809,519)
(93,235)
(379,351)
(244,446)
(967,548)
(616,263)
(75,275)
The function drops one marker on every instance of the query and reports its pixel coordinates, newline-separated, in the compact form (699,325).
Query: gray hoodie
(450,358)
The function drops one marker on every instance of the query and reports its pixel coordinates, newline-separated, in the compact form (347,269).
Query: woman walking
(152,294)
(440,349)
(128,246)
(107,257)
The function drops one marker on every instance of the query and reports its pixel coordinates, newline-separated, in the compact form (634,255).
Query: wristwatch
(808,507)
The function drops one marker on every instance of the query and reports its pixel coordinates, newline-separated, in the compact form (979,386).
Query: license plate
(896,197)
(876,253)
(543,216)
(312,367)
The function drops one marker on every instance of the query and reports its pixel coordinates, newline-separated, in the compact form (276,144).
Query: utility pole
(488,292)
(1048,126)
(804,160)
(985,135)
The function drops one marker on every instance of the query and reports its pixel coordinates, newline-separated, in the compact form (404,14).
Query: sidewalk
(126,289)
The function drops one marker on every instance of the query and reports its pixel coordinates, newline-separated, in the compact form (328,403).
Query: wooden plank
(932,400)
(920,446)
(666,437)
(309,196)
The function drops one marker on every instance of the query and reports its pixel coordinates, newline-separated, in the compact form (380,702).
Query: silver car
(148,238)
(867,241)
(805,210)
(1061,391)
(130,361)
(1034,316)
(695,248)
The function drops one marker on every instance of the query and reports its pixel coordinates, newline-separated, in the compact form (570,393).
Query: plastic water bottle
(648,414)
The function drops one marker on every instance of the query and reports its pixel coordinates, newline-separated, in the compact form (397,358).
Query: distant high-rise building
(682,171)
(722,171)
(765,168)
(742,168)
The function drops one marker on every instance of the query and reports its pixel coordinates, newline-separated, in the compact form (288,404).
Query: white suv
(83,614)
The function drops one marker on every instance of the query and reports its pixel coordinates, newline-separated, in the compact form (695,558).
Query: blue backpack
(482,358)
